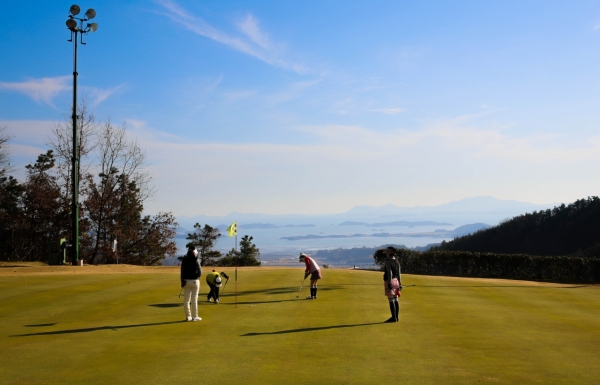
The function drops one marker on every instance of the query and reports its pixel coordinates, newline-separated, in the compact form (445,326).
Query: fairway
(123,325)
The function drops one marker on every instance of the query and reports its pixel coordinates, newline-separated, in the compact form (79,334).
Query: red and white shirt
(311,265)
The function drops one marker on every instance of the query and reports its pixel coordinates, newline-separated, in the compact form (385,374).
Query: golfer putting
(190,282)
(392,281)
(214,281)
(314,271)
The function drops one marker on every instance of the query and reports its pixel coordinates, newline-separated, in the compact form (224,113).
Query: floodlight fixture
(90,13)
(71,24)
(75,10)
(92,27)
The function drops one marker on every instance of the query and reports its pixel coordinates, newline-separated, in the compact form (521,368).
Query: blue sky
(317,106)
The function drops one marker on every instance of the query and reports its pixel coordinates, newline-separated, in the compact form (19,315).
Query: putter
(408,285)
(302,284)
(180,292)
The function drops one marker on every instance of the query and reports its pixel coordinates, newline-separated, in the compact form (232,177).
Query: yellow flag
(232,229)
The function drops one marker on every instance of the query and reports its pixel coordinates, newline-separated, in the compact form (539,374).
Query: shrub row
(509,266)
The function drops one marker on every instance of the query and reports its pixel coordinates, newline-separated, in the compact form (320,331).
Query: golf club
(180,292)
(302,284)
(408,285)
(223,292)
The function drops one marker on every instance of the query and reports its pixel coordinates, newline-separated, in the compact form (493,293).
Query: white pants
(190,290)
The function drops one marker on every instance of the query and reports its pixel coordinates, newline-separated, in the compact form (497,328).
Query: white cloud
(388,111)
(98,95)
(292,91)
(348,165)
(45,90)
(42,90)
(249,26)
(253,41)
(28,132)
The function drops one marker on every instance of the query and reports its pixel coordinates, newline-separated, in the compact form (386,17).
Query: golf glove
(182,282)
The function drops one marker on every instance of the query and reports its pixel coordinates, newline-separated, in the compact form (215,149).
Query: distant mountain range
(469,210)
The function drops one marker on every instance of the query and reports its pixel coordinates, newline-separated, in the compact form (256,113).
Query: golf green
(125,326)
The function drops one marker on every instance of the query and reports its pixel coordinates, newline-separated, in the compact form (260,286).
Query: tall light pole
(77,31)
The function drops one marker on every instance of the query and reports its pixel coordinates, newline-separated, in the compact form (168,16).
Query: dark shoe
(392,319)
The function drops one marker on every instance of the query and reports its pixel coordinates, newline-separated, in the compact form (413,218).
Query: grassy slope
(126,328)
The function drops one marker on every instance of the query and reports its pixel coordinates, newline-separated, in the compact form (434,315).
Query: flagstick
(236,266)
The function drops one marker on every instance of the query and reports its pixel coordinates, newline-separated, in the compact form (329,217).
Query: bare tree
(114,185)
(114,197)
(61,141)
(116,151)
(4,153)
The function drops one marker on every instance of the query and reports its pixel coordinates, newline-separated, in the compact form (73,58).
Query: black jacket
(392,267)
(190,267)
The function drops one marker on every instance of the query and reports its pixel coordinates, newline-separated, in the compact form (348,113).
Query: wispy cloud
(345,165)
(388,111)
(252,41)
(42,90)
(292,91)
(448,155)
(250,28)
(98,95)
(45,90)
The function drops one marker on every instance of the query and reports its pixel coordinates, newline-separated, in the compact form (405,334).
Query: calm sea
(271,242)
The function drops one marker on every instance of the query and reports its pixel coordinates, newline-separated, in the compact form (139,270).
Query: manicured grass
(127,328)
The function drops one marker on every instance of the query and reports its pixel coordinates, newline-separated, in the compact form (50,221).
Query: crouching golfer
(214,281)
(392,282)
(314,271)
(190,282)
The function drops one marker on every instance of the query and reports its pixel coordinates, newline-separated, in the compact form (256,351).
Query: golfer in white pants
(190,282)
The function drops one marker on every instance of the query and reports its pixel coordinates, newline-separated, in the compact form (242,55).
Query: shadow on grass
(258,302)
(205,303)
(281,290)
(510,286)
(166,305)
(38,325)
(11,266)
(309,329)
(87,330)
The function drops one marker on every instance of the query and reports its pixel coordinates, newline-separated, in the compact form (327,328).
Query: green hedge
(509,266)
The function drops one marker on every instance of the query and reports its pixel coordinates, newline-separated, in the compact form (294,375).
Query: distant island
(253,226)
(439,233)
(374,235)
(396,223)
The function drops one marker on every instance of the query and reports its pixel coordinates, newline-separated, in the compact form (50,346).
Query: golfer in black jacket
(190,282)
(392,282)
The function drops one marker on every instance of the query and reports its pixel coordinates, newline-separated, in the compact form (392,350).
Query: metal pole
(236,266)
(75,165)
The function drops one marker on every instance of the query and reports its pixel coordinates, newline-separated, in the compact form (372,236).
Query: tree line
(492,265)
(572,229)
(114,185)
